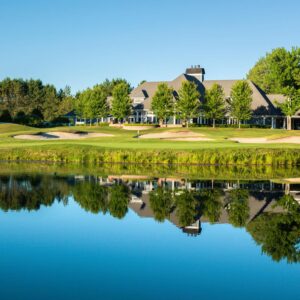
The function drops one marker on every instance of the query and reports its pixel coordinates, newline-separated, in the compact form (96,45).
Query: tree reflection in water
(276,227)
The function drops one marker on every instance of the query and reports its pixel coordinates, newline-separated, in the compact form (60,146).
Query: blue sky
(82,42)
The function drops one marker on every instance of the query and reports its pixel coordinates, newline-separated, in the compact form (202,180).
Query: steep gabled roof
(148,89)
(262,104)
(276,98)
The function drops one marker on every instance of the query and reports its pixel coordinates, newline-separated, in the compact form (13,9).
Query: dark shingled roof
(262,104)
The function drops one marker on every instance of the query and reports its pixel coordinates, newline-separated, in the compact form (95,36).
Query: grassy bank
(189,172)
(124,147)
(91,154)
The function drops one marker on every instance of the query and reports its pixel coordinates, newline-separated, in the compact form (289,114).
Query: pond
(87,236)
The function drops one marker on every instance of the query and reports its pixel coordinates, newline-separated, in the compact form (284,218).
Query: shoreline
(201,157)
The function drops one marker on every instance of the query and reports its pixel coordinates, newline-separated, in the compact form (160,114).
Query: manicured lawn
(127,139)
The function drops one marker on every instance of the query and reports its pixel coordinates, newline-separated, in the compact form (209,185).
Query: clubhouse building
(265,110)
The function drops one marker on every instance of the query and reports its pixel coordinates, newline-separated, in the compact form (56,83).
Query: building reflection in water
(268,210)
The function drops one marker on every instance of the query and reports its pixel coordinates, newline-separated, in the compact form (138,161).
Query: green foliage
(5,116)
(109,85)
(214,107)
(277,70)
(91,196)
(92,103)
(240,102)
(163,102)
(161,203)
(278,234)
(121,103)
(30,98)
(238,207)
(118,201)
(211,204)
(188,103)
(186,207)
(292,103)
(18,193)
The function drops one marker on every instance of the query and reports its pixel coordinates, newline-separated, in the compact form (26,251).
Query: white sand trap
(61,135)
(184,134)
(191,139)
(285,140)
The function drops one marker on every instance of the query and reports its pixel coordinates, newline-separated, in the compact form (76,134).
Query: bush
(5,116)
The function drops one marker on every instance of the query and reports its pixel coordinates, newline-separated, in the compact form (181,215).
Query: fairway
(218,138)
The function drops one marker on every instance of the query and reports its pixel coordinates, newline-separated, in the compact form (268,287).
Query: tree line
(278,72)
(187,104)
(111,98)
(32,102)
(277,233)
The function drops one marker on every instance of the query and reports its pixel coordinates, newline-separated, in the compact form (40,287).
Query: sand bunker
(61,135)
(285,140)
(184,134)
(191,139)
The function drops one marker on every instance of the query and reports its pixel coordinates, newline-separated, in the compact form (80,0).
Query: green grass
(125,147)
(189,172)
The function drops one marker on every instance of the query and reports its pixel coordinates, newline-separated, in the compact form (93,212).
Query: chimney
(196,71)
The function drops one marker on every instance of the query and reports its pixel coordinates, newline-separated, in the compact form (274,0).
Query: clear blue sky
(82,42)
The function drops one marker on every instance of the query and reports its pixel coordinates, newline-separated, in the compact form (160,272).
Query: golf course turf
(126,147)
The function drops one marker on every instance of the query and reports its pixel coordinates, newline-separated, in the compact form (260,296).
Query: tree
(100,102)
(79,105)
(214,107)
(50,108)
(109,85)
(277,70)
(118,201)
(186,208)
(93,103)
(211,204)
(91,196)
(279,233)
(188,103)
(290,106)
(121,103)
(162,103)
(238,207)
(161,203)
(83,105)
(240,102)
(31,98)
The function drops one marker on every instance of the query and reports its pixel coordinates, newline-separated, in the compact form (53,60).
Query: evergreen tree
(214,107)
(240,102)
(188,103)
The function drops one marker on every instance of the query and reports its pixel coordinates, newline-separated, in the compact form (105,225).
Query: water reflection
(269,211)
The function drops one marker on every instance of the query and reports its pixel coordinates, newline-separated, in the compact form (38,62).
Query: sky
(82,42)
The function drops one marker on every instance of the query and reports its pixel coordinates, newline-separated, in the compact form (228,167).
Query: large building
(265,110)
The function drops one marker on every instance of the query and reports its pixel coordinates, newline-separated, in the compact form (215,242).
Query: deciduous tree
(188,103)
(162,103)
(121,103)
(240,102)
(290,106)
(278,70)
(214,106)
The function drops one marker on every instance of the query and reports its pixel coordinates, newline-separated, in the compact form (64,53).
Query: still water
(127,237)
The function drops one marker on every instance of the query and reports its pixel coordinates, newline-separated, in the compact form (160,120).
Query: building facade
(264,107)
